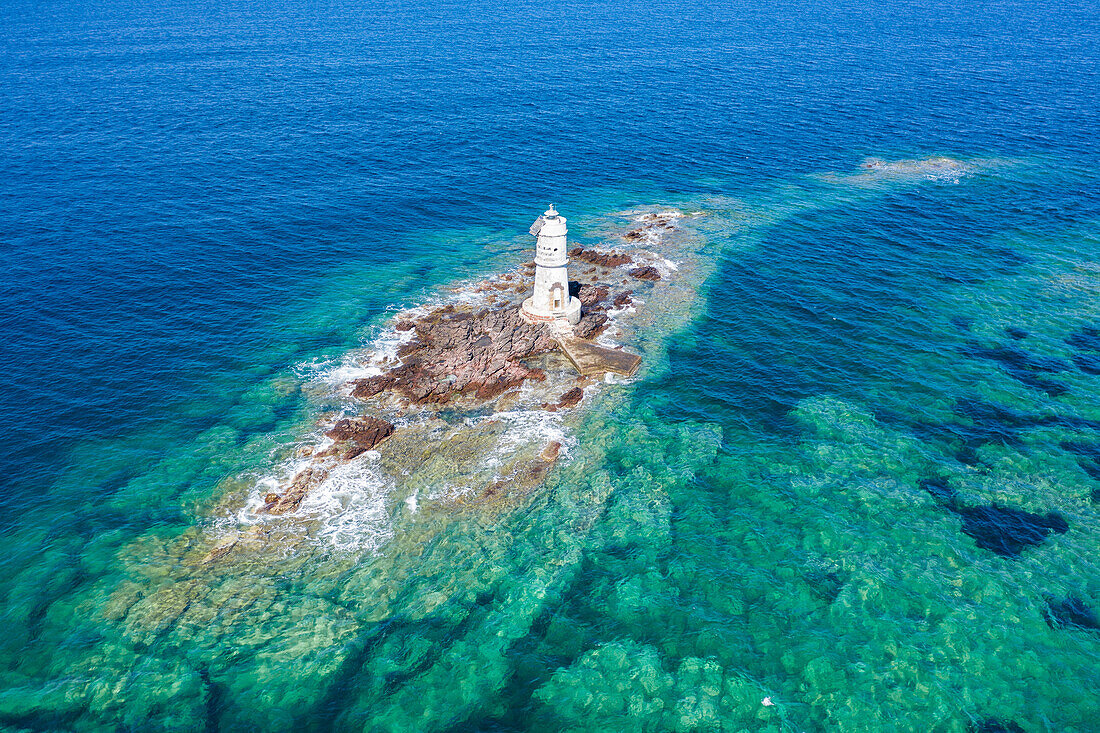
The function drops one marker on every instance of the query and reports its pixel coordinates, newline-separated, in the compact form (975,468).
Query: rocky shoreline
(474,360)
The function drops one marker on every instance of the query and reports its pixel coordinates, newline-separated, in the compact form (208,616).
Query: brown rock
(603,259)
(550,452)
(623,299)
(590,295)
(271,498)
(297,490)
(221,549)
(355,435)
(571,398)
(591,325)
(462,352)
(369,387)
(646,272)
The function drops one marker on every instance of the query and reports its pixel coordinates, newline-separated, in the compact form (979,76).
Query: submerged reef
(1001,529)
(1070,612)
(393,539)
(1021,365)
(573,554)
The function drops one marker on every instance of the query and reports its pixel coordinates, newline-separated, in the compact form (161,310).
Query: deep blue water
(186,188)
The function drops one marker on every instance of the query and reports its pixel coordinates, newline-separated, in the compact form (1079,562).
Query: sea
(855,485)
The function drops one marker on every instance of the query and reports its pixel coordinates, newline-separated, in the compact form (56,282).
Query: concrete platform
(590,359)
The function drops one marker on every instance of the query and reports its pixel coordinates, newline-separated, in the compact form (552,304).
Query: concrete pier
(591,359)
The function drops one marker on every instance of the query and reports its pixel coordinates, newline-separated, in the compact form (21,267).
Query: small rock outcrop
(590,295)
(571,398)
(357,435)
(603,259)
(646,272)
(591,325)
(299,487)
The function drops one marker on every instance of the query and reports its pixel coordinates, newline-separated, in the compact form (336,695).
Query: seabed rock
(1004,530)
(1070,612)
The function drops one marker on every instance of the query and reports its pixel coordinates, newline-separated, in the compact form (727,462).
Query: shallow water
(853,487)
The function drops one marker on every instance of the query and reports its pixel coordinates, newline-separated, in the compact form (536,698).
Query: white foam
(378,356)
(646,217)
(525,430)
(939,169)
(351,504)
(527,427)
(666,266)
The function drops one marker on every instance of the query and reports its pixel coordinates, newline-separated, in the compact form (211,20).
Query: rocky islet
(466,357)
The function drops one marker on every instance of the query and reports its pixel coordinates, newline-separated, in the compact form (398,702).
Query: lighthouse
(551,300)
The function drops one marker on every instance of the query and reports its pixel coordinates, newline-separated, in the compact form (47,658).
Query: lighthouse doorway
(557,297)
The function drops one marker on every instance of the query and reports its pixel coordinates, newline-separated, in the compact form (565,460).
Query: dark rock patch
(1088,456)
(623,299)
(987,423)
(1087,363)
(1087,342)
(1052,388)
(992,725)
(1016,333)
(963,323)
(646,272)
(958,278)
(826,584)
(1087,339)
(603,259)
(1014,359)
(939,489)
(1006,256)
(984,422)
(356,435)
(1006,531)
(1005,421)
(1021,366)
(1071,611)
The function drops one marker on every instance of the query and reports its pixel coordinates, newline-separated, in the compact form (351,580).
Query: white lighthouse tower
(551,299)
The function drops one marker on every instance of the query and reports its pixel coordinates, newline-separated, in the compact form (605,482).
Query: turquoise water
(855,485)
